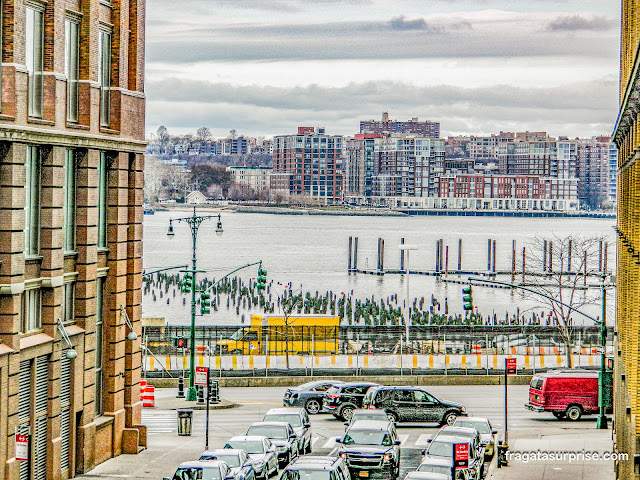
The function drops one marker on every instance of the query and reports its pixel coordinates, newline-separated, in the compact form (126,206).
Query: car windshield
(367,437)
(482,427)
(247,446)
(333,391)
(230,459)
(435,469)
(368,416)
(268,431)
(441,449)
(237,335)
(308,475)
(291,419)
(197,473)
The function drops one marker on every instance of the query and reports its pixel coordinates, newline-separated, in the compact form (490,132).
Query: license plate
(363,474)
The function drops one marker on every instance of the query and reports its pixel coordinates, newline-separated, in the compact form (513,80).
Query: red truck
(570,393)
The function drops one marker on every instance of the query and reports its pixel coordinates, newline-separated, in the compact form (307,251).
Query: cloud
(589,107)
(574,23)
(400,23)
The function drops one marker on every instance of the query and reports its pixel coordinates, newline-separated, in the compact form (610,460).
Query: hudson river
(311,251)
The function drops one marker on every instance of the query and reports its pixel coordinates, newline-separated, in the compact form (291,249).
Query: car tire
(573,413)
(286,461)
(449,418)
(313,406)
(346,412)
(392,417)
(308,449)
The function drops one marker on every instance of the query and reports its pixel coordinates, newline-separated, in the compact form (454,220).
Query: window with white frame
(34,42)
(31,309)
(70,201)
(104,77)
(32,202)
(99,344)
(102,200)
(72,66)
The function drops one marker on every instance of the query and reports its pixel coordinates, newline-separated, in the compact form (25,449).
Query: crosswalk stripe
(329,443)
(314,440)
(403,438)
(422,439)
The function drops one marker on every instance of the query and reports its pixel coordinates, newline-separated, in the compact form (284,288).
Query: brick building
(314,161)
(425,128)
(71,178)
(626,135)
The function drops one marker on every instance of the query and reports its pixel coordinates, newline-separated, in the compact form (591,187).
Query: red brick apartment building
(71,178)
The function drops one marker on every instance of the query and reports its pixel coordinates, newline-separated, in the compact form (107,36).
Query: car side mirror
(306,425)
(346,424)
(424,452)
(397,442)
(494,432)
(338,439)
(429,440)
(292,436)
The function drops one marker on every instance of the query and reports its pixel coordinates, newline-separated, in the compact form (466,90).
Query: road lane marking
(329,443)
(403,438)
(314,440)
(423,439)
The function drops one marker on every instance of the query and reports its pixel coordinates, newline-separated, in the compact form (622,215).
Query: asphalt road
(484,401)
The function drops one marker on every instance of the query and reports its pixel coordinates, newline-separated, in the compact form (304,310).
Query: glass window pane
(104,77)
(34,59)
(70,202)
(71,68)
(102,201)
(32,202)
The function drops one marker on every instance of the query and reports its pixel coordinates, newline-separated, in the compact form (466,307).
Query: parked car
(309,395)
(238,461)
(206,470)
(342,400)
(441,445)
(366,414)
(281,435)
(417,475)
(261,452)
(439,466)
(570,393)
(483,426)
(299,421)
(412,404)
(313,467)
(371,449)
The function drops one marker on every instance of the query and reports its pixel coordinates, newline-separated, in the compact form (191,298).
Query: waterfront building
(596,188)
(256,178)
(359,167)
(627,138)
(385,126)
(71,165)
(314,161)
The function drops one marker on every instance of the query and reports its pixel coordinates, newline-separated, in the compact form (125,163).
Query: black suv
(313,466)
(371,449)
(412,404)
(342,400)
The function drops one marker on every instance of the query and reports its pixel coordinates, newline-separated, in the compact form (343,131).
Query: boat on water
(148,209)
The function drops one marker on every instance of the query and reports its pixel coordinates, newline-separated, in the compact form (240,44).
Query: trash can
(185,417)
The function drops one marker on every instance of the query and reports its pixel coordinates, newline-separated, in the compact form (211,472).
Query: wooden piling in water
(569,256)
(355,254)
(402,255)
(446,262)
(600,256)
(606,253)
(349,259)
(544,256)
(513,261)
(524,264)
(459,254)
(441,254)
(437,265)
(489,255)
(550,256)
(382,256)
(494,256)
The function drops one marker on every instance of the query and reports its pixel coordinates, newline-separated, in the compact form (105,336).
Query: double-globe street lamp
(194,222)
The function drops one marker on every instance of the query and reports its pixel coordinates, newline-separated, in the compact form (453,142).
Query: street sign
(22,447)
(202,376)
(460,456)
(600,349)
(511,366)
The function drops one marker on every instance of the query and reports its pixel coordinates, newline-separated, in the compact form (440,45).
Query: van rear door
(536,397)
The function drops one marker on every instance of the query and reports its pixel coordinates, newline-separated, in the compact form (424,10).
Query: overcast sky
(263,67)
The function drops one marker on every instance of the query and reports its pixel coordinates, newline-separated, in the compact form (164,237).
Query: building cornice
(43,136)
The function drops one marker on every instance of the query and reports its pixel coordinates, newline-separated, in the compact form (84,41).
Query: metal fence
(437,339)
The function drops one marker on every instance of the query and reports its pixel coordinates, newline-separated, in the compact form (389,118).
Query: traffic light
(205,303)
(180,342)
(187,283)
(467,299)
(262,278)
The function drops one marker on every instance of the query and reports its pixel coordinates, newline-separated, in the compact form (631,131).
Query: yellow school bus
(269,335)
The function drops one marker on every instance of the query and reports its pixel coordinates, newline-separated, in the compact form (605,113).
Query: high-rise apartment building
(313,161)
(71,188)
(627,359)
(385,126)
(359,166)
(596,187)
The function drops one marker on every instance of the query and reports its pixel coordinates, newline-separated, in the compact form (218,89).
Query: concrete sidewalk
(531,452)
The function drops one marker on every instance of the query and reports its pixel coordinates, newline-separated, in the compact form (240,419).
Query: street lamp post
(602,417)
(406,248)
(194,222)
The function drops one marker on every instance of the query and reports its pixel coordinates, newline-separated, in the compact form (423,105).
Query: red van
(570,393)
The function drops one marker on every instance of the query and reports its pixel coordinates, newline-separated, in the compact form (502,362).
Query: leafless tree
(289,303)
(560,268)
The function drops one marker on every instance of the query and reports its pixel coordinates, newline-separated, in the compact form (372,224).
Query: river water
(311,252)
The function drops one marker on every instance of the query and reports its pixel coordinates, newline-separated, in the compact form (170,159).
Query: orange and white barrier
(149,396)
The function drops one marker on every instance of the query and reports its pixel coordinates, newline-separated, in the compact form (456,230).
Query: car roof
(200,463)
(370,425)
(452,430)
(568,373)
(222,451)
(377,412)
(399,387)
(247,438)
(427,476)
(449,437)
(358,384)
(269,424)
(314,462)
(472,419)
(433,460)
(285,411)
